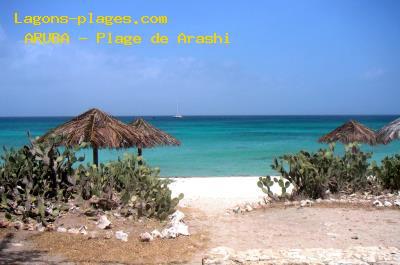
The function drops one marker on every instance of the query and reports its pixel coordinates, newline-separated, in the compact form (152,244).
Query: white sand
(217,193)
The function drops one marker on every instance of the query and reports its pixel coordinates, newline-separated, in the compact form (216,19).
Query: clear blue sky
(286,57)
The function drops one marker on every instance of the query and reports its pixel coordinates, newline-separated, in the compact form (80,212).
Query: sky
(285,58)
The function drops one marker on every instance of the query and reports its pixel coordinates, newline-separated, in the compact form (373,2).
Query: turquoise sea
(216,145)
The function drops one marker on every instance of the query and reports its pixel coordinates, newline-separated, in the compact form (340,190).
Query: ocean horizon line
(216,115)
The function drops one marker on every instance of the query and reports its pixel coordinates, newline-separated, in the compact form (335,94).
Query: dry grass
(151,136)
(79,249)
(97,128)
(351,132)
(390,132)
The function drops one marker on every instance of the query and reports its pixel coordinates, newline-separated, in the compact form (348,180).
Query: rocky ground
(353,229)
(353,255)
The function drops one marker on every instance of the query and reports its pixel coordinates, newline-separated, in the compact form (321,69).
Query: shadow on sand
(10,254)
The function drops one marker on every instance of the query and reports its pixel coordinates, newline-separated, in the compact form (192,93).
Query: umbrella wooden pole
(95,156)
(139,154)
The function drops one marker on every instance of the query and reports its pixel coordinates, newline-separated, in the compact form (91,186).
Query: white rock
(103,222)
(83,230)
(182,229)
(146,237)
(397,203)
(305,203)
(61,230)
(387,204)
(169,232)
(319,200)
(156,234)
(121,235)
(176,217)
(377,203)
(248,208)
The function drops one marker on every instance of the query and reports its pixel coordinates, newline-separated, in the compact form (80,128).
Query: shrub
(388,173)
(312,174)
(35,178)
(355,170)
(140,189)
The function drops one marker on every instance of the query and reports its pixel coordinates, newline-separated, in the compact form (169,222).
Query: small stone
(377,203)
(117,215)
(121,235)
(103,222)
(39,227)
(319,200)
(50,227)
(156,234)
(305,203)
(237,209)
(387,204)
(108,235)
(169,232)
(29,227)
(182,229)
(61,230)
(146,237)
(177,216)
(287,203)
(354,237)
(4,223)
(18,225)
(73,231)
(248,208)
(91,212)
(83,230)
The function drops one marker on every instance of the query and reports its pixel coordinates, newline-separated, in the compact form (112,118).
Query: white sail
(177,115)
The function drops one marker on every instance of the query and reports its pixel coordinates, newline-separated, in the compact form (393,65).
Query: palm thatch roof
(152,136)
(350,132)
(390,132)
(97,128)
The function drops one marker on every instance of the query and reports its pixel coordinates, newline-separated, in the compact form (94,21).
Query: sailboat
(177,115)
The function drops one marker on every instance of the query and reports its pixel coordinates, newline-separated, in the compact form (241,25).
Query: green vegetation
(313,174)
(37,180)
(141,191)
(389,173)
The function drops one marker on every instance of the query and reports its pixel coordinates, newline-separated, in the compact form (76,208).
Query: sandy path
(207,201)
(216,194)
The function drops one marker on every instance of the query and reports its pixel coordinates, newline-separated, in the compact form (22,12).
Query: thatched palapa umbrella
(151,136)
(351,132)
(390,132)
(97,129)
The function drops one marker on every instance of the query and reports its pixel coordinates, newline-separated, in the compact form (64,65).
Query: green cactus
(312,174)
(33,175)
(142,191)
